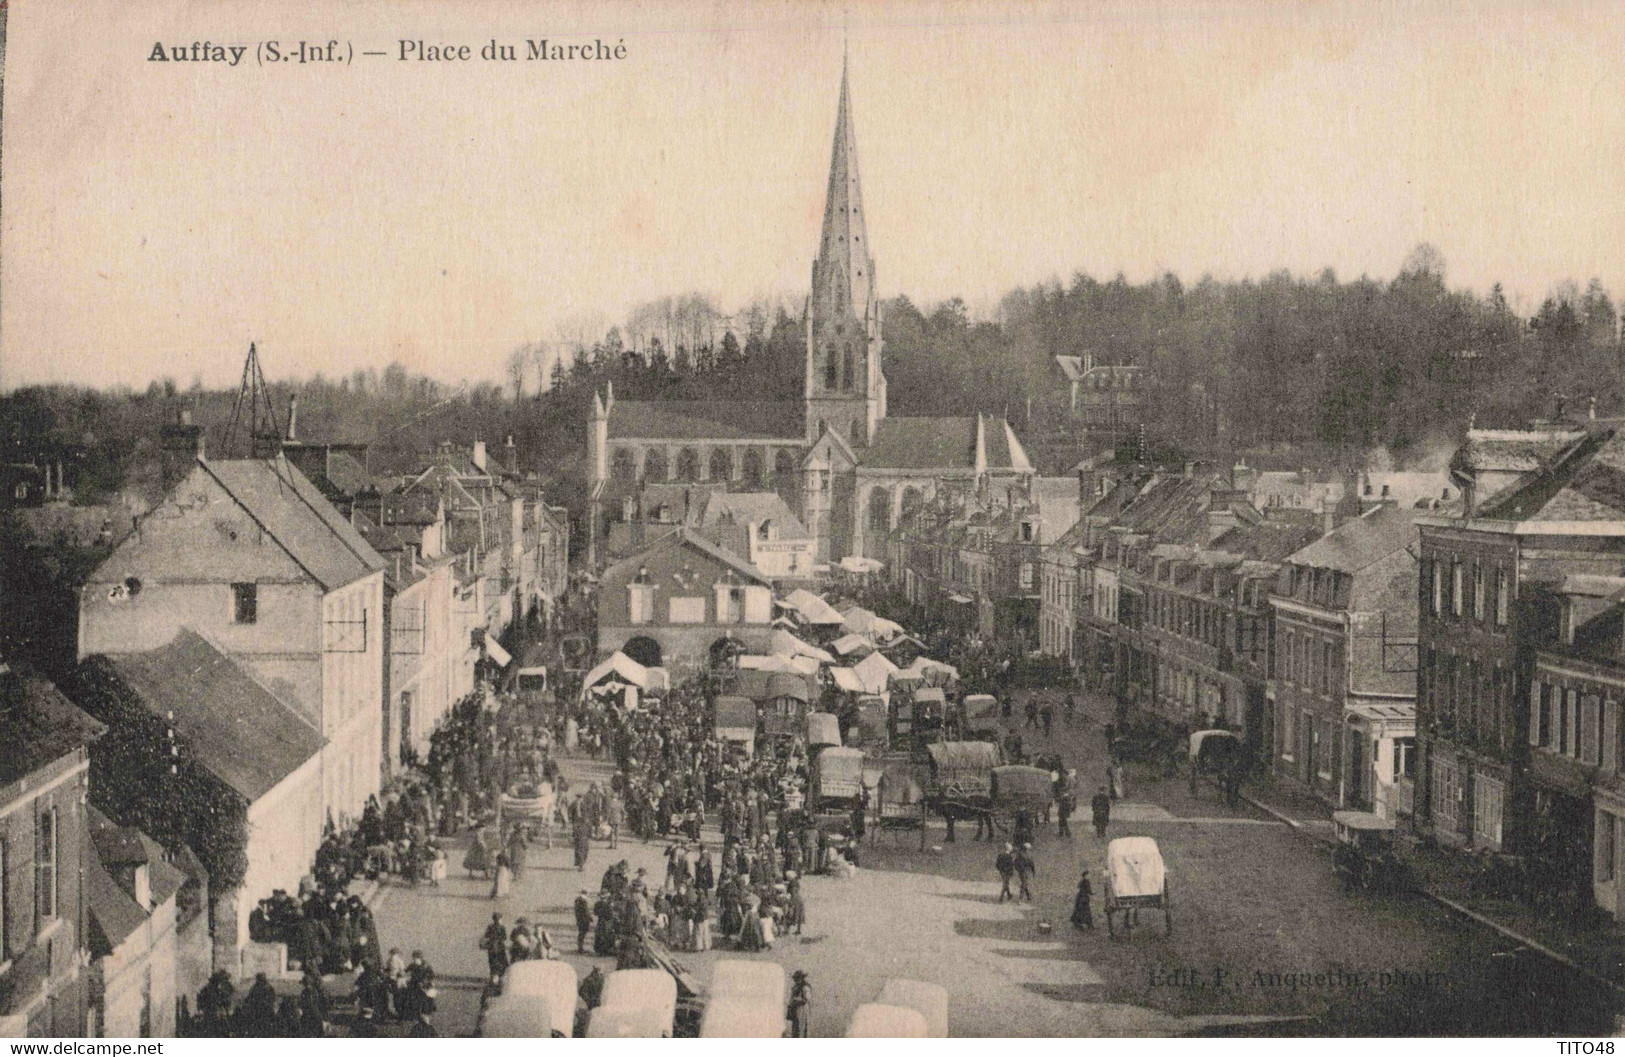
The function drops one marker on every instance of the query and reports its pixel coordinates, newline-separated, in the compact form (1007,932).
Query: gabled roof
(688,537)
(705,420)
(295,514)
(37,725)
(726,518)
(346,473)
(238,730)
(1361,541)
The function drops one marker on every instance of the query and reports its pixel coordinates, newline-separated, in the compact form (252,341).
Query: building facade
(250,554)
(679,600)
(1537,508)
(44,784)
(1343,683)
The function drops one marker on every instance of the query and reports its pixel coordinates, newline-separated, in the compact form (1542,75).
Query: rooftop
(295,514)
(37,725)
(237,729)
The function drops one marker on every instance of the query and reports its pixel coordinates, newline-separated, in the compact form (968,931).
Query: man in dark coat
(495,945)
(1006,865)
(583,920)
(705,877)
(1101,808)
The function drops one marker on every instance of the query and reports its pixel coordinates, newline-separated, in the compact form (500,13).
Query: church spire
(843,250)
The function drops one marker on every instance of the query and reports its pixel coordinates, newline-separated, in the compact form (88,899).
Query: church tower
(845,387)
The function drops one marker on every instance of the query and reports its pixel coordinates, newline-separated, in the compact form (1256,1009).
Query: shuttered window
(1590,724)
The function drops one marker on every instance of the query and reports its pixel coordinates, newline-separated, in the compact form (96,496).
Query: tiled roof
(114,914)
(299,518)
(1515,450)
(1361,541)
(37,725)
(238,730)
(1584,482)
(923,444)
(1002,448)
(705,420)
(727,516)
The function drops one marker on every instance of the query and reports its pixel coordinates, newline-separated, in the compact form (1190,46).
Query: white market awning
(813,608)
(787,645)
(494,650)
(621,666)
(851,643)
(874,671)
(777,663)
(846,680)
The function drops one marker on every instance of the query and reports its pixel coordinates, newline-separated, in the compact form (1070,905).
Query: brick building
(1538,507)
(1343,680)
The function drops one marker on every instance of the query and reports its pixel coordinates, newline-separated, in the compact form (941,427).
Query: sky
(157,217)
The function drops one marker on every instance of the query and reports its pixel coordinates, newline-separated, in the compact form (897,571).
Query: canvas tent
(618,666)
(846,680)
(775,663)
(785,644)
(851,643)
(873,671)
(814,610)
(865,622)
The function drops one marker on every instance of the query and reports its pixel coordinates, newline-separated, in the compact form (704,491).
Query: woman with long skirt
(583,845)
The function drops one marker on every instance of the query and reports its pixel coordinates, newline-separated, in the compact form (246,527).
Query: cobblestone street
(1257,914)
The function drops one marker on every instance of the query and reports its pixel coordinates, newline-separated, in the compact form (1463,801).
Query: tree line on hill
(1282,360)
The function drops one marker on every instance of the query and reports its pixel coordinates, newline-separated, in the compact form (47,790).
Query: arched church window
(846,370)
(830,366)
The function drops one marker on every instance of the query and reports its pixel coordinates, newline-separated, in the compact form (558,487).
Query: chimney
(180,448)
(142,887)
(1328,517)
(479,455)
(293,418)
(512,455)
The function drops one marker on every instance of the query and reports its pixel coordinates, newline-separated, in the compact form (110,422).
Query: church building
(845,467)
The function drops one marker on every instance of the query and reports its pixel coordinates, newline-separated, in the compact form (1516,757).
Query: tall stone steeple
(845,387)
